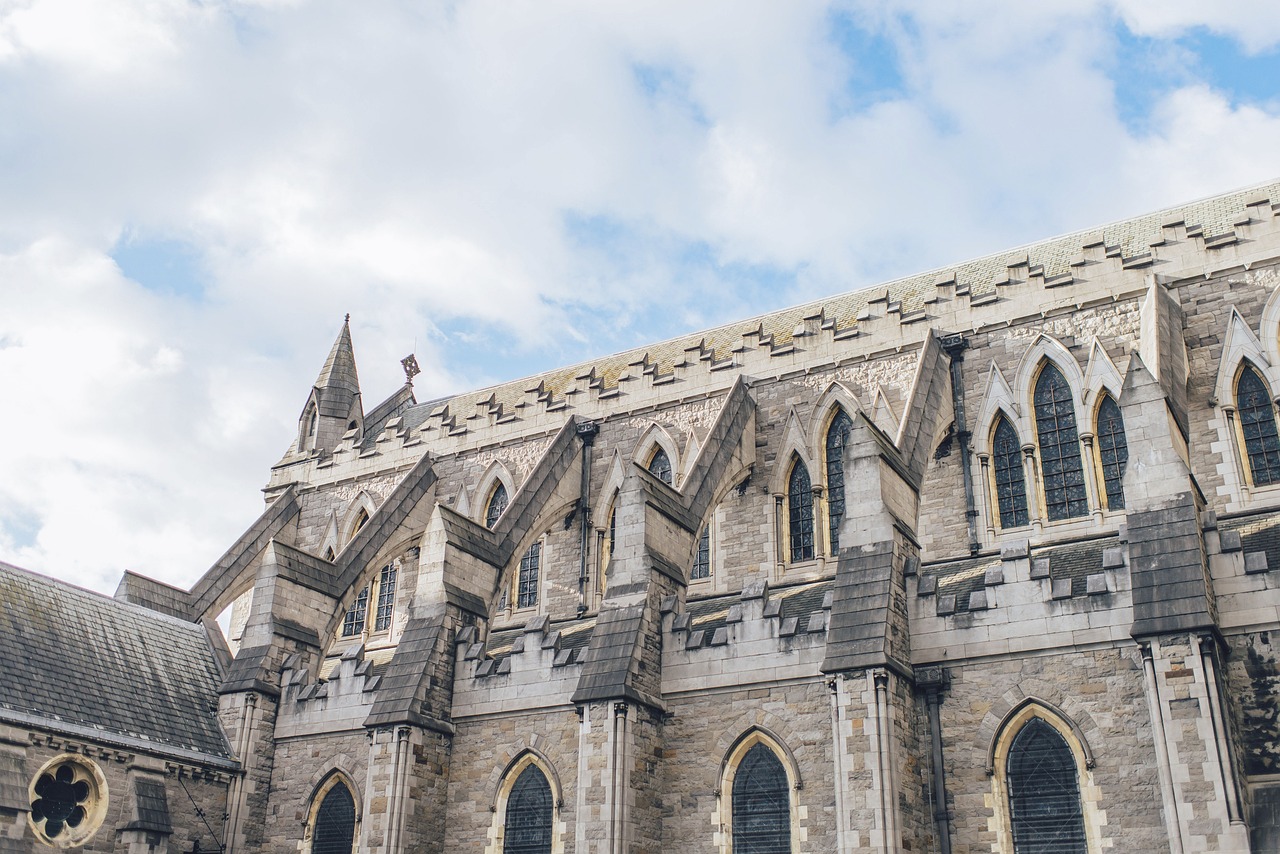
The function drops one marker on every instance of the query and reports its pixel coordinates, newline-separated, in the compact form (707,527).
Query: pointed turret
(334,406)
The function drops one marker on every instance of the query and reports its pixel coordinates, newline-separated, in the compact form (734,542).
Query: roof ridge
(40,577)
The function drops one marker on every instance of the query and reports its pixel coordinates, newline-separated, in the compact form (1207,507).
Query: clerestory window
(800,512)
(496,506)
(527,577)
(386,598)
(1257,415)
(837,438)
(353,623)
(660,466)
(702,557)
(1010,480)
(1113,451)
(1061,466)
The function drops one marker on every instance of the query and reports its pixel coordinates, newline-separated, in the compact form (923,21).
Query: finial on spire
(410,365)
(347,319)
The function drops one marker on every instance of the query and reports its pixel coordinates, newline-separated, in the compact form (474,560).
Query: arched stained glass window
(335,827)
(353,623)
(761,804)
(1060,463)
(702,557)
(606,546)
(1258,425)
(1113,451)
(529,814)
(1011,483)
(837,438)
(1044,793)
(660,466)
(800,512)
(386,598)
(497,504)
(527,580)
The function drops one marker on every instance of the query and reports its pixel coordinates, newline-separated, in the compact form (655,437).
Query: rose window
(68,801)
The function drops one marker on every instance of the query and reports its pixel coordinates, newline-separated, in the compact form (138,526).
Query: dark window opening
(335,828)
(837,438)
(1011,483)
(497,505)
(386,598)
(761,804)
(527,581)
(1044,793)
(702,557)
(660,466)
(529,815)
(800,513)
(1258,424)
(1113,451)
(60,800)
(1060,462)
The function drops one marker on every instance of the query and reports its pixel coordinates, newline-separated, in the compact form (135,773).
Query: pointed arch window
(335,822)
(386,598)
(353,623)
(606,545)
(1044,792)
(1113,451)
(702,557)
(761,804)
(1257,414)
(529,814)
(527,577)
(800,512)
(660,467)
(1060,463)
(496,506)
(837,438)
(1011,483)
(361,519)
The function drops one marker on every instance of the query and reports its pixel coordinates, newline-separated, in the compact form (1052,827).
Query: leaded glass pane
(527,581)
(702,558)
(386,599)
(497,504)
(335,822)
(353,623)
(1011,483)
(1113,451)
(761,804)
(1060,462)
(1258,424)
(837,438)
(800,515)
(528,822)
(1044,793)
(660,466)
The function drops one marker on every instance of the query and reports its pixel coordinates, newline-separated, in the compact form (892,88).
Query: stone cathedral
(979,560)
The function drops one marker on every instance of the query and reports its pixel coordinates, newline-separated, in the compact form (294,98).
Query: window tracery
(702,557)
(353,622)
(837,438)
(1257,414)
(800,512)
(529,815)
(660,466)
(758,790)
(386,598)
(497,505)
(1011,483)
(1113,451)
(1061,466)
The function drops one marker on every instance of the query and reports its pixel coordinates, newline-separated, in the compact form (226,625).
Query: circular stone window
(68,799)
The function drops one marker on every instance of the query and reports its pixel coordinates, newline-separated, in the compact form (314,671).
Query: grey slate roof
(76,661)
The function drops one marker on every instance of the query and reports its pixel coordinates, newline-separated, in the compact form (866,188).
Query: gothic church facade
(981,560)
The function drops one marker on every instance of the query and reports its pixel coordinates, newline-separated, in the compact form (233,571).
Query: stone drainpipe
(587,433)
(934,681)
(955,345)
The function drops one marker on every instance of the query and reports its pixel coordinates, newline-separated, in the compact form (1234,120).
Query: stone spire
(334,406)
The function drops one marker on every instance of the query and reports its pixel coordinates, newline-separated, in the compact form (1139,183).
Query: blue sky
(192,195)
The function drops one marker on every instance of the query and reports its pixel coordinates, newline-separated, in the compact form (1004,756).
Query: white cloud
(416,165)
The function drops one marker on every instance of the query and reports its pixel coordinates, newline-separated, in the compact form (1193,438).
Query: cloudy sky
(194,192)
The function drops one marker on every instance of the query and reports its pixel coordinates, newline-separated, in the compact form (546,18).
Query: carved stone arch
(516,763)
(363,502)
(656,436)
(395,548)
(496,473)
(1269,327)
(997,400)
(1241,345)
(1046,348)
(795,444)
(340,765)
(756,733)
(750,739)
(1046,694)
(768,723)
(609,490)
(1101,374)
(1017,714)
(836,397)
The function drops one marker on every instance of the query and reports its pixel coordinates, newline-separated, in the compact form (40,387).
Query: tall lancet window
(800,512)
(837,438)
(335,822)
(660,467)
(1113,451)
(1060,462)
(1044,793)
(761,804)
(1258,426)
(529,814)
(1011,483)
(497,504)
